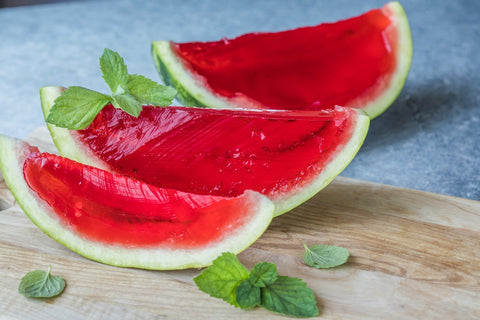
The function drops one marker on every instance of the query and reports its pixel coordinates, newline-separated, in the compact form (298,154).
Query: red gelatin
(306,68)
(115,209)
(219,152)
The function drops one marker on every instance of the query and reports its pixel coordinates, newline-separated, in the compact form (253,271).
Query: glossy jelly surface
(115,209)
(219,152)
(306,68)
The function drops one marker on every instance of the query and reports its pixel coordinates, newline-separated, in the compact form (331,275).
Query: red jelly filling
(115,209)
(306,68)
(219,152)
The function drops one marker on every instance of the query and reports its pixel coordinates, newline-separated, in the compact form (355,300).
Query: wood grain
(414,255)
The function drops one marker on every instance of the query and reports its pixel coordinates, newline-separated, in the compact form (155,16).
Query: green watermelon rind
(340,159)
(65,142)
(193,90)
(72,148)
(404,59)
(12,156)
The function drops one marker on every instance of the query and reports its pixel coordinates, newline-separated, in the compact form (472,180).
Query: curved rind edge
(342,159)
(404,60)
(12,156)
(172,72)
(63,139)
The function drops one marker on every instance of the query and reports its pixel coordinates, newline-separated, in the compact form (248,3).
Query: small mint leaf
(248,295)
(114,71)
(289,296)
(41,284)
(76,108)
(222,278)
(263,274)
(149,92)
(324,256)
(127,103)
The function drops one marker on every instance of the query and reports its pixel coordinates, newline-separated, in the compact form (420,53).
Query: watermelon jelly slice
(361,62)
(286,155)
(125,222)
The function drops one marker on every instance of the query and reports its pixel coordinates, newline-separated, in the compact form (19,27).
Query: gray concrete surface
(427,140)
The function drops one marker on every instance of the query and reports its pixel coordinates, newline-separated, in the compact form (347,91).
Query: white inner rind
(404,51)
(12,157)
(340,160)
(66,143)
(192,83)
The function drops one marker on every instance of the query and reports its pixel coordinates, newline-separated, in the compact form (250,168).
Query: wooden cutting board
(414,255)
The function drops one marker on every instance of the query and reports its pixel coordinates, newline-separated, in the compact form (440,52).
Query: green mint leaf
(127,103)
(147,91)
(222,278)
(263,274)
(41,284)
(76,108)
(248,295)
(289,296)
(114,71)
(323,256)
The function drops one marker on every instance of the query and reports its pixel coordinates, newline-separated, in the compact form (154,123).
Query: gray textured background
(427,140)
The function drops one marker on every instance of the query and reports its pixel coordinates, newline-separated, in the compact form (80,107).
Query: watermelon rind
(339,160)
(13,153)
(72,148)
(63,140)
(192,89)
(404,59)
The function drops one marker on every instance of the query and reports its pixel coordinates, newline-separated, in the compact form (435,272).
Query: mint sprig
(229,280)
(76,107)
(41,284)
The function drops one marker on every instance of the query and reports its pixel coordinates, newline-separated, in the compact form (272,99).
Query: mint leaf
(41,284)
(222,278)
(127,103)
(149,92)
(324,256)
(248,295)
(289,296)
(263,274)
(114,71)
(76,108)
